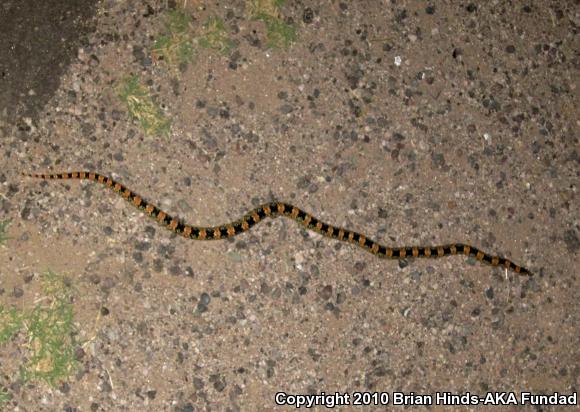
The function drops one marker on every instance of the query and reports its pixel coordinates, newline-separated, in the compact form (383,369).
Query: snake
(275,209)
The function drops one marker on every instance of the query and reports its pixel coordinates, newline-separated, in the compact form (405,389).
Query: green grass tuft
(50,333)
(174,52)
(177,21)
(10,323)
(3,229)
(215,36)
(4,397)
(279,33)
(175,46)
(142,108)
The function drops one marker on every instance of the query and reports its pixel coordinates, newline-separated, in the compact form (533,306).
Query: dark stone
(308,15)
(489,293)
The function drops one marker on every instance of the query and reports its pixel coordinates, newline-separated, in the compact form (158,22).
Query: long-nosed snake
(274,209)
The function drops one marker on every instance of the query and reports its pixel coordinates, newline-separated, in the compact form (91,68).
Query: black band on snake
(275,209)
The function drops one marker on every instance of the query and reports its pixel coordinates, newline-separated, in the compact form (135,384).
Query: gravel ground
(411,122)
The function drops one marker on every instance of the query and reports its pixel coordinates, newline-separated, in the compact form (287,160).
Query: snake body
(275,209)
